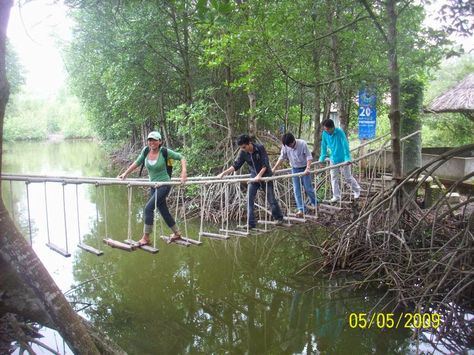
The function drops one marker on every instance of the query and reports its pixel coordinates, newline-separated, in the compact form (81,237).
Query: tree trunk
(316,96)
(342,111)
(300,126)
(162,123)
(394,80)
(18,299)
(317,123)
(411,108)
(186,62)
(287,106)
(181,31)
(327,108)
(5,7)
(183,48)
(229,104)
(252,117)
(15,251)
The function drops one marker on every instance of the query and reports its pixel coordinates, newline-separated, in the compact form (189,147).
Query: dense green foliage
(14,70)
(31,117)
(203,72)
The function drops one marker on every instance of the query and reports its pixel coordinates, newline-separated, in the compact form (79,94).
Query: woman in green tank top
(156,163)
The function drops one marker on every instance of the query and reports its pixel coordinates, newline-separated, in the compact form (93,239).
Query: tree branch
(374,18)
(357,19)
(285,72)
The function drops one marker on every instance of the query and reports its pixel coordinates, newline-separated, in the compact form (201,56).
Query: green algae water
(246,295)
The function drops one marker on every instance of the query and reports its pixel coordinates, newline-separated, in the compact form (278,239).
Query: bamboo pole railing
(199,180)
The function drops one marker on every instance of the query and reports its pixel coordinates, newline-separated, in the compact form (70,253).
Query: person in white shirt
(300,158)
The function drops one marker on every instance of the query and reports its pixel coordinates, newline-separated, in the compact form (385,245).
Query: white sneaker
(356,194)
(334,199)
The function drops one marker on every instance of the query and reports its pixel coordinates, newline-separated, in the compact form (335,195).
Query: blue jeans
(308,187)
(267,187)
(160,193)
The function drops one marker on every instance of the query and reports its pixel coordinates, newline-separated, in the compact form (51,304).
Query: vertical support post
(28,208)
(203,201)
(105,211)
(77,214)
(46,211)
(64,214)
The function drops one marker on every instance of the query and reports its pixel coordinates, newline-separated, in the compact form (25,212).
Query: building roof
(460,98)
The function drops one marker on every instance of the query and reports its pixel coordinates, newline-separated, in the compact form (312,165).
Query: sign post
(367,114)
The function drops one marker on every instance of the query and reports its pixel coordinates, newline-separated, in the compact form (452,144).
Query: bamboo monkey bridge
(221,203)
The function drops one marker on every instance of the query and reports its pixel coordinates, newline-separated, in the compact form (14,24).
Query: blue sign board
(367,114)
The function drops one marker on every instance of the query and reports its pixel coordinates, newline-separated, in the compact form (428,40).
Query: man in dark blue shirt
(256,157)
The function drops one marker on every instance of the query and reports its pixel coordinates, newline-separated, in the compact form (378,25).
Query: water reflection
(238,296)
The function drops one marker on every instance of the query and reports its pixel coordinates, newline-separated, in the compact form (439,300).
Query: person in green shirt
(157,171)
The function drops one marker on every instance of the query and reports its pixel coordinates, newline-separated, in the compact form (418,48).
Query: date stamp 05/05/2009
(394,320)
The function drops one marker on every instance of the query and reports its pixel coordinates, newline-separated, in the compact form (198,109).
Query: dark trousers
(160,194)
(267,187)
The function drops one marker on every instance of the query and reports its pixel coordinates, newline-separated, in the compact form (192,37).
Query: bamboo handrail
(196,180)
(142,182)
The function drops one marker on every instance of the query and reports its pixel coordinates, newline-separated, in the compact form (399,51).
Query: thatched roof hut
(459,98)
